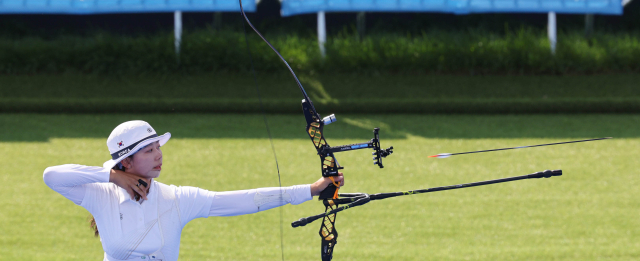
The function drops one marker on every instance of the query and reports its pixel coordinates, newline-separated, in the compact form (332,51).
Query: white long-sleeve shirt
(150,229)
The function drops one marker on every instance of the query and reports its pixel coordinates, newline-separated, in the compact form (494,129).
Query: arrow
(446,155)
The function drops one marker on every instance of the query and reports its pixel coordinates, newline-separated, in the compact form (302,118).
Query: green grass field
(590,213)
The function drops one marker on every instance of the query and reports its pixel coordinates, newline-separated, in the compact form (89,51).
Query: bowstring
(266,123)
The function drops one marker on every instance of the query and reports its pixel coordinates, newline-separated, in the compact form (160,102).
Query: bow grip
(328,192)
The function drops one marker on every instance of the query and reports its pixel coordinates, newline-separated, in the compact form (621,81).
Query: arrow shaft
(522,147)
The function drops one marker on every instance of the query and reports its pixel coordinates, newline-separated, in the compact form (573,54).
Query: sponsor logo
(149,130)
(123,152)
(120,144)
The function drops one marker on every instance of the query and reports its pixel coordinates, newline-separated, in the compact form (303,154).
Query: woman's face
(147,162)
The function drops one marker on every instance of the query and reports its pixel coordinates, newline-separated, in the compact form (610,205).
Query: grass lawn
(589,213)
(343,93)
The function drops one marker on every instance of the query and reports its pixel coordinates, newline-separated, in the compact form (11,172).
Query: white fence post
(588,25)
(322,33)
(361,25)
(177,24)
(217,20)
(551,30)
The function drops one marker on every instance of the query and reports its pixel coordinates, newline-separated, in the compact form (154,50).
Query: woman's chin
(153,174)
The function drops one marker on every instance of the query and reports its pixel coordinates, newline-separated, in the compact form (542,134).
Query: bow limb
(328,233)
(304,93)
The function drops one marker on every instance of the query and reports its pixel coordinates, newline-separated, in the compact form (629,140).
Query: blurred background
(479,56)
(435,75)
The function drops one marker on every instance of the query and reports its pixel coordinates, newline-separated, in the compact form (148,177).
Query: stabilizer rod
(358,199)
(537,175)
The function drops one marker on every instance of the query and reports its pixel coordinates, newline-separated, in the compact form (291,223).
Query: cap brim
(109,164)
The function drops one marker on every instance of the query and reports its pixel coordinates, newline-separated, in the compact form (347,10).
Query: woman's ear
(126,163)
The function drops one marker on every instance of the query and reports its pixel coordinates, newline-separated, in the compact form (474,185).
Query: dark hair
(92,220)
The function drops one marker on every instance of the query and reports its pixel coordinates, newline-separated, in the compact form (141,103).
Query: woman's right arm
(69,180)
(72,180)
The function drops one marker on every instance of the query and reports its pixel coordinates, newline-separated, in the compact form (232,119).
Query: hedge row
(504,106)
(473,51)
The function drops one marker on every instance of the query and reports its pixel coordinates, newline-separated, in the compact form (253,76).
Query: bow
(335,202)
(328,162)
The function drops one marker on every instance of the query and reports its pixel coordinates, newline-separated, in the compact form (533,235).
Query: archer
(141,218)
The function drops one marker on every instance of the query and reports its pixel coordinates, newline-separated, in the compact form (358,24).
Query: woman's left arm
(197,203)
(233,203)
(241,202)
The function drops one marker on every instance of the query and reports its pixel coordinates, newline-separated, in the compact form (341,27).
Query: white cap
(128,138)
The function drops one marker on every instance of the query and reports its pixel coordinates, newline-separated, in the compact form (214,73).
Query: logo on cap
(120,144)
(125,151)
(149,130)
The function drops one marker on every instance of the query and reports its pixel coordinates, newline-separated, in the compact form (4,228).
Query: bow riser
(330,167)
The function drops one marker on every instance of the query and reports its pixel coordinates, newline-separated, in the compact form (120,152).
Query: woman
(138,217)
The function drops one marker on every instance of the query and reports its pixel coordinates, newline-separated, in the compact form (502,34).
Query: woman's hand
(322,184)
(128,182)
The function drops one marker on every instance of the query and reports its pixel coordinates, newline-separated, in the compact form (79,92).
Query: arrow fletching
(446,155)
(441,156)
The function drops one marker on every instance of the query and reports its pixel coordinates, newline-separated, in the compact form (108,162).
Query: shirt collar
(124,195)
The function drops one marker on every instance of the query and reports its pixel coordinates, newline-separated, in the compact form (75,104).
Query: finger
(144,192)
(140,192)
(131,194)
(339,180)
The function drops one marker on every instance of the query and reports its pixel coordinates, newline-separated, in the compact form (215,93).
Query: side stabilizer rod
(353,202)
